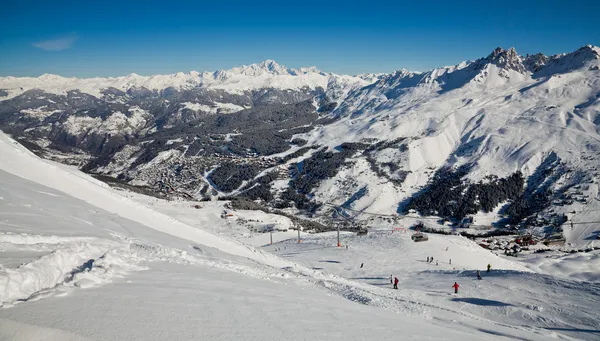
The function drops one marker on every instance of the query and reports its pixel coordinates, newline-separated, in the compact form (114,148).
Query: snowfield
(82,261)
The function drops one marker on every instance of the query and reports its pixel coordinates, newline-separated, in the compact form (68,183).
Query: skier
(396,283)
(478,275)
(427,259)
(489,267)
(436,262)
(361,265)
(450,261)
(455,286)
(430,259)
(391,281)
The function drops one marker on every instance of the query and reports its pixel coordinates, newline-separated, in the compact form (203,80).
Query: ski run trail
(82,261)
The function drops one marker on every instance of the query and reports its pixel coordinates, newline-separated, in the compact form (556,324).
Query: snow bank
(48,271)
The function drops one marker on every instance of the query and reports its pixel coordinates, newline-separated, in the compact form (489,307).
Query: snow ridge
(267,74)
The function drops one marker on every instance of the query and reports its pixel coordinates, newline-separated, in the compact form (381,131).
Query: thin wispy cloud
(59,44)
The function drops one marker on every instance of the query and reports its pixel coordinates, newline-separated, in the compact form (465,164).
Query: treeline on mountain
(322,165)
(395,176)
(279,117)
(298,141)
(448,196)
(261,130)
(295,154)
(291,197)
(260,188)
(229,176)
(538,194)
(307,174)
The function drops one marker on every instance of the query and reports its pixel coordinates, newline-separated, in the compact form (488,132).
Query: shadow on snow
(481,301)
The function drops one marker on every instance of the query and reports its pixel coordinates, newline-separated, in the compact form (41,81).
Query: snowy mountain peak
(272,66)
(590,51)
(403,73)
(371,77)
(311,69)
(506,59)
(265,67)
(535,62)
(585,57)
(50,77)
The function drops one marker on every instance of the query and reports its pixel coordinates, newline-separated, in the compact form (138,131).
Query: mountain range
(508,136)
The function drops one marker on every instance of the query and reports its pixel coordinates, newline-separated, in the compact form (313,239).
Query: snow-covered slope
(498,115)
(79,261)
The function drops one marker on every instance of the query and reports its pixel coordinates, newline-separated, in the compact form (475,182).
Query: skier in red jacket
(455,286)
(395,282)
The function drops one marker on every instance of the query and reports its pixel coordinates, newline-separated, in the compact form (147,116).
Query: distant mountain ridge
(266,74)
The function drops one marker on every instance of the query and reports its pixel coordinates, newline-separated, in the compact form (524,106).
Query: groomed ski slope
(80,261)
(510,295)
(552,293)
(548,302)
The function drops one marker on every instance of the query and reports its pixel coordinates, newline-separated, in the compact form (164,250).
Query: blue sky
(110,38)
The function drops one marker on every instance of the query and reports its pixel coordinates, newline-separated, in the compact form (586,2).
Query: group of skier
(455,286)
(395,281)
(430,260)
